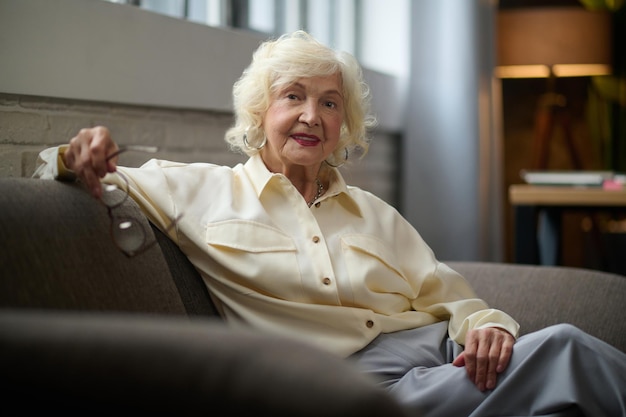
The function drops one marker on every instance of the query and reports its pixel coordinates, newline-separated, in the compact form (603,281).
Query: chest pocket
(248,236)
(257,257)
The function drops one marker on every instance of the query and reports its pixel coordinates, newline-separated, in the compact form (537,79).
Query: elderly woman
(285,246)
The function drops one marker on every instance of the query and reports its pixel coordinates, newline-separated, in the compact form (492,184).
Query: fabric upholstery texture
(539,296)
(193,292)
(57,254)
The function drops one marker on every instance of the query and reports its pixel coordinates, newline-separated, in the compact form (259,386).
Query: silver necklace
(318,194)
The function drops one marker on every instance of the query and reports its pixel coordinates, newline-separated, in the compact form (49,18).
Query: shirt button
(317,204)
(369,324)
(316,239)
(326,281)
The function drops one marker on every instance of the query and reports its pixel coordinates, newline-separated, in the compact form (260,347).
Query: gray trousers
(557,371)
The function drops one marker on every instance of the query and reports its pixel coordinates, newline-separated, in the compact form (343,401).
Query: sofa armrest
(60,255)
(106,364)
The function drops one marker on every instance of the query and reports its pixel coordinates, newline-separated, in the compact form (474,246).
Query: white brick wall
(29,124)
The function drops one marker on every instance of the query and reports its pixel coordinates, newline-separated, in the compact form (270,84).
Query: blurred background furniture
(561,65)
(553,42)
(539,211)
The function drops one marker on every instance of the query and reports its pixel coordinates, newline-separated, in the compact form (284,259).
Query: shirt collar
(260,176)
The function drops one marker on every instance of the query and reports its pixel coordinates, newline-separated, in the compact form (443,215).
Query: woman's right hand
(87,156)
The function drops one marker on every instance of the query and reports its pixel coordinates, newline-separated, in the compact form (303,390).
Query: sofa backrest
(539,296)
(57,254)
(191,288)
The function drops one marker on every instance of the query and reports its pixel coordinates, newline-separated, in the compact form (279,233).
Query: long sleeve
(50,165)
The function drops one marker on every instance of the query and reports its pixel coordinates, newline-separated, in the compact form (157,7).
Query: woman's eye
(330,104)
(292,96)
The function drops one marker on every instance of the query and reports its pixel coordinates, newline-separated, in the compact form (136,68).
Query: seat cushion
(103,364)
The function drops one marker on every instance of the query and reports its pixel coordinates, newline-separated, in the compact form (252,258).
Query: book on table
(567,178)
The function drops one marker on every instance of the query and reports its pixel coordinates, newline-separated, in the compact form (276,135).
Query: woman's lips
(306,140)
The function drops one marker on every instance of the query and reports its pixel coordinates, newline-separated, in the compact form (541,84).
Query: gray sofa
(86,330)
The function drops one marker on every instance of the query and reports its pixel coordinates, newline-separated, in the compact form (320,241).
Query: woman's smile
(305,140)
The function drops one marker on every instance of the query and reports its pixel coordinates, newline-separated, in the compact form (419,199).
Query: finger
(111,164)
(459,360)
(482,364)
(98,160)
(92,181)
(492,366)
(78,158)
(100,147)
(505,352)
(75,155)
(501,348)
(71,157)
(469,354)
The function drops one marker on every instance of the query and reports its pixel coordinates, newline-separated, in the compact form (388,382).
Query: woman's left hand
(487,353)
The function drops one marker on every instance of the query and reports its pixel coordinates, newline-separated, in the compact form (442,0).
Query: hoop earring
(341,164)
(247,144)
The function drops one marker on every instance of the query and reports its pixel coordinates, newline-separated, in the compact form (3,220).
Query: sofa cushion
(191,287)
(95,364)
(58,254)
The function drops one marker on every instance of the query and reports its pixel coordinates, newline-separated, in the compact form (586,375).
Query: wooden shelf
(541,195)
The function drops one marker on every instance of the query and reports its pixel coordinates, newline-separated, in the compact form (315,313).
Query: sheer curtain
(452,152)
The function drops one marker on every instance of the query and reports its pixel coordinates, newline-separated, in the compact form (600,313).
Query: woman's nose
(310,114)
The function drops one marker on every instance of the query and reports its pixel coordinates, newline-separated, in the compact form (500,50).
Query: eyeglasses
(128,233)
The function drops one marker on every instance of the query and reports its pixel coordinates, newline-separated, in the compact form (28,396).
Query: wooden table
(538,210)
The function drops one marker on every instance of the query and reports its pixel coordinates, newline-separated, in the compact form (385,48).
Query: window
(337,23)
(330,21)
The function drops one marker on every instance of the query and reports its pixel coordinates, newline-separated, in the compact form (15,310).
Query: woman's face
(303,123)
